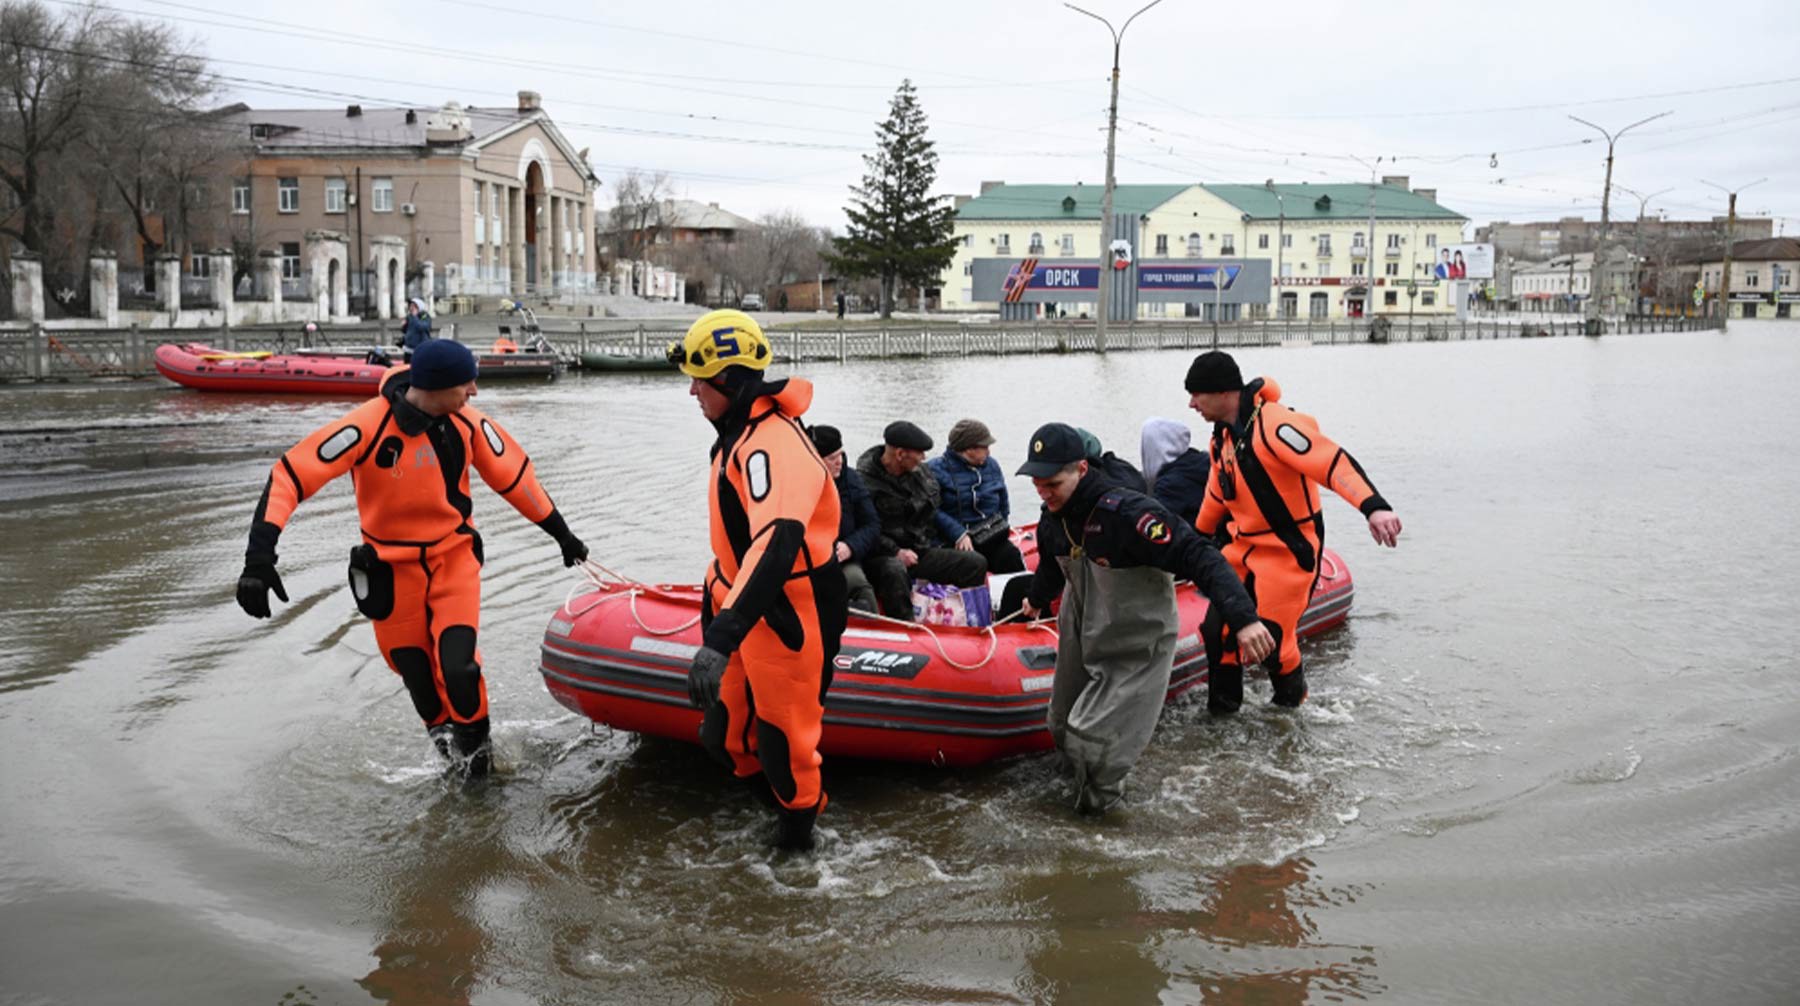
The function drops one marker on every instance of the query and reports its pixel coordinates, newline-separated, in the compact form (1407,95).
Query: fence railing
(39,353)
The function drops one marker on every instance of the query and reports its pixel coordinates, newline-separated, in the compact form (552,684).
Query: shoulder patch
(1111,500)
(339,442)
(1154,529)
(495,444)
(1292,437)
(756,471)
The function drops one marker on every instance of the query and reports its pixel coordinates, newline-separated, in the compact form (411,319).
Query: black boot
(1224,689)
(440,738)
(473,749)
(794,828)
(1290,688)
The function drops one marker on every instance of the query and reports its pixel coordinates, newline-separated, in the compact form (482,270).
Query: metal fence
(39,353)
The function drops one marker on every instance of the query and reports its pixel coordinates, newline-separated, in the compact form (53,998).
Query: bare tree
(49,66)
(640,214)
(781,248)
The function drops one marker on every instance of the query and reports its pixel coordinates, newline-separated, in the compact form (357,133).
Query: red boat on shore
(619,653)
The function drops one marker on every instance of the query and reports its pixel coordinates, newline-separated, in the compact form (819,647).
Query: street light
(1280,242)
(1637,250)
(1369,253)
(1730,230)
(1106,199)
(1593,311)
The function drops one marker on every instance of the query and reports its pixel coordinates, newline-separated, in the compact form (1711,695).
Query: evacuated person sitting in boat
(859,528)
(1119,551)
(972,491)
(918,540)
(417,329)
(1175,470)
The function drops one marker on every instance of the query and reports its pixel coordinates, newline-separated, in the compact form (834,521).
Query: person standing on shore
(1119,551)
(416,330)
(417,574)
(1267,464)
(774,597)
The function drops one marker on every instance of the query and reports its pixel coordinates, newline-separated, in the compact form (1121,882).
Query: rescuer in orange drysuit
(417,574)
(1267,464)
(776,600)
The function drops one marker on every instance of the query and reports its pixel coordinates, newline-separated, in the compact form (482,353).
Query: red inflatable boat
(619,655)
(202,367)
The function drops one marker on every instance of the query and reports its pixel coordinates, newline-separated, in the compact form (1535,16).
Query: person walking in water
(1119,551)
(1267,464)
(417,574)
(774,597)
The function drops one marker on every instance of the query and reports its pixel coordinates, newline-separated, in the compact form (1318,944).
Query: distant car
(752,302)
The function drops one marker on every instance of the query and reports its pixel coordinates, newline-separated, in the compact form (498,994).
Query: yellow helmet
(718,340)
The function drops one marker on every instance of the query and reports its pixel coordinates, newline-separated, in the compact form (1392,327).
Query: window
(1393,244)
(1287,241)
(1319,305)
(335,191)
(290,260)
(1324,245)
(1036,247)
(287,192)
(1393,268)
(1431,240)
(1356,268)
(1162,244)
(1391,298)
(1068,244)
(480,226)
(1228,245)
(969,268)
(1290,305)
(381,196)
(1287,268)
(1428,298)
(479,274)
(1003,244)
(199,266)
(1356,243)
(1194,244)
(1750,278)
(1262,241)
(495,231)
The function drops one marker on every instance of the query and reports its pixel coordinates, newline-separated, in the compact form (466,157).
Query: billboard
(1035,281)
(1474,261)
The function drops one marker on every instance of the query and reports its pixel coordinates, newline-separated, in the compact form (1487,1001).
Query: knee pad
(772,749)
(712,734)
(462,675)
(414,667)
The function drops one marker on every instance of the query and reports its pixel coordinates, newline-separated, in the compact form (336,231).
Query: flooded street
(1550,758)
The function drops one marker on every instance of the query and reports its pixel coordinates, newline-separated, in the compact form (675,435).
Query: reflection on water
(1549,758)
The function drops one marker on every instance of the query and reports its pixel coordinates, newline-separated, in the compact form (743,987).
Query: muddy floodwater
(1550,758)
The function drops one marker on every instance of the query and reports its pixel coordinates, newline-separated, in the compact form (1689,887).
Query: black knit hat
(442,363)
(827,440)
(901,433)
(1214,371)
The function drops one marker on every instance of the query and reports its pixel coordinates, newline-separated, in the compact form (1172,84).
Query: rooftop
(287,128)
(1063,202)
(1259,202)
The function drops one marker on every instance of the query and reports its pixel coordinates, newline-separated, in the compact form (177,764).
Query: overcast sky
(768,105)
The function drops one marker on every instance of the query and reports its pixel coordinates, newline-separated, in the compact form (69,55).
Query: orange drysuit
(775,595)
(417,575)
(1266,470)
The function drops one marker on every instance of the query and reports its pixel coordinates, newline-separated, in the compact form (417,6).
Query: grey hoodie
(1163,441)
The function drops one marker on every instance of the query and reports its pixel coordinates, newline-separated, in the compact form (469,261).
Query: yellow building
(1316,239)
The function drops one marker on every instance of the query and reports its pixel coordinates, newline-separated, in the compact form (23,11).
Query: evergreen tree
(898,231)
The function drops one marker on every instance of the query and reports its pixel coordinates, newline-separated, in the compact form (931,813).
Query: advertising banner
(1472,261)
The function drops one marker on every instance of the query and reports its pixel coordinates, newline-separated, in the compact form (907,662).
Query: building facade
(1542,239)
(494,199)
(1324,260)
(1765,278)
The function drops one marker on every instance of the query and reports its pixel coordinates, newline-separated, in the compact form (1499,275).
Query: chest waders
(1115,650)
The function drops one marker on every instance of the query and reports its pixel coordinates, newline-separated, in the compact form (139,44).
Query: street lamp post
(1369,252)
(1280,243)
(1637,243)
(1730,229)
(1106,199)
(1593,311)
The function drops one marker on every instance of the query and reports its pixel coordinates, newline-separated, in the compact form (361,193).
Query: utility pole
(1280,243)
(1369,255)
(1593,311)
(1637,244)
(1730,231)
(1106,199)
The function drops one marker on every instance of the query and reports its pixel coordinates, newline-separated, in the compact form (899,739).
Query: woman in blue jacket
(859,527)
(417,330)
(973,493)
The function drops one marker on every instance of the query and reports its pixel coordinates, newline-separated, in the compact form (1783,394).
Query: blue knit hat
(442,363)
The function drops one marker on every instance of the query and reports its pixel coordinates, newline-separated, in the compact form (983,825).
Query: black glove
(1290,688)
(704,677)
(572,549)
(259,577)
